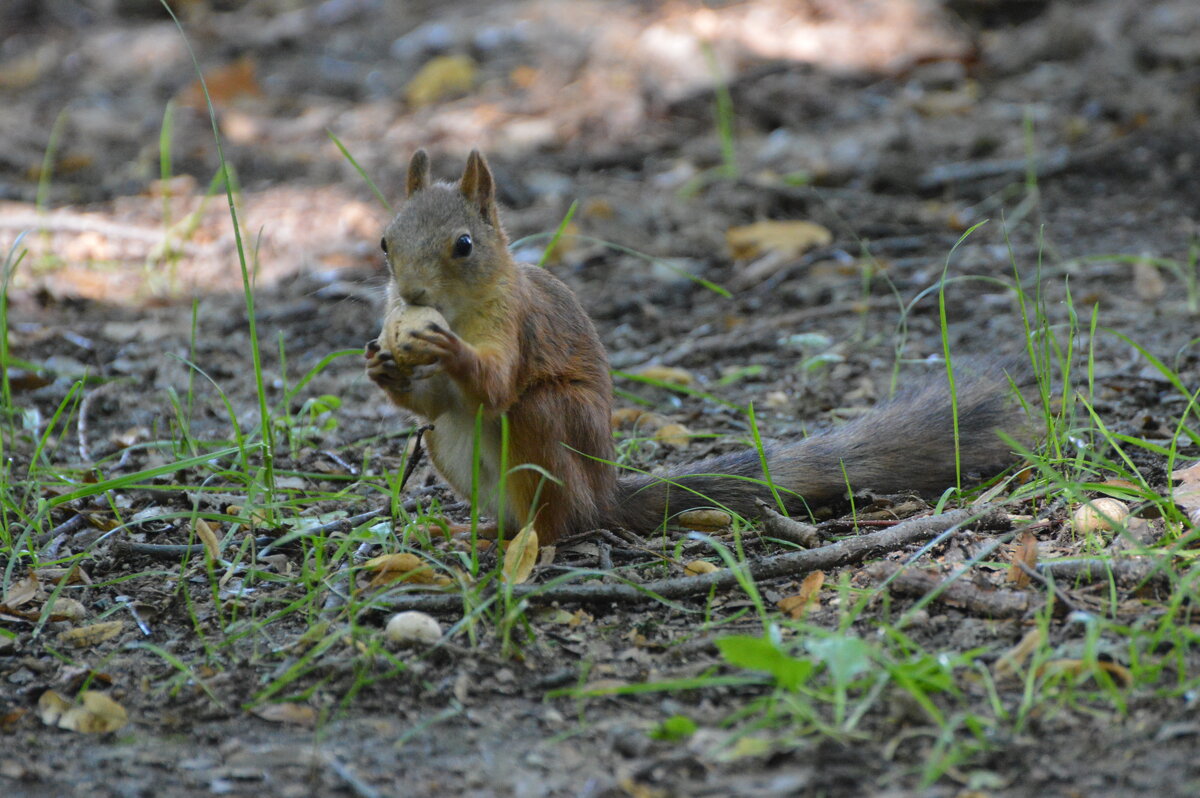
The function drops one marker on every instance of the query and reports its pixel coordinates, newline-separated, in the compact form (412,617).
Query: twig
(844,552)
(415,458)
(72,524)
(921,582)
(1127,572)
(356,785)
(173,551)
(1050,164)
(780,526)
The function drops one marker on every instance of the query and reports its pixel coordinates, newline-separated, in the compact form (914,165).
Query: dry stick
(844,552)
(979,601)
(72,524)
(1127,572)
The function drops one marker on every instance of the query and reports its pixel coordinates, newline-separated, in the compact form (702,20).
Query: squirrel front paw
(452,353)
(383,370)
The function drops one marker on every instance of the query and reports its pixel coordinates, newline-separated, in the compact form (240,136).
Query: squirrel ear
(418,172)
(479,189)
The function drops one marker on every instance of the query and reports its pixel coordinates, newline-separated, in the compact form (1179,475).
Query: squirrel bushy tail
(904,443)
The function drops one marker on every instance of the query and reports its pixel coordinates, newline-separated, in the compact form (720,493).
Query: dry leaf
(441,78)
(87,636)
(705,520)
(520,556)
(403,567)
(629,417)
(675,435)
(1025,553)
(789,239)
(1008,663)
(225,84)
(668,374)
(1187,495)
(797,605)
(22,592)
(207,533)
(1148,282)
(96,713)
(699,567)
(288,712)
(1074,667)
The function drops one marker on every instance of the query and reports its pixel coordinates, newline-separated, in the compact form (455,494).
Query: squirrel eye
(383,245)
(462,246)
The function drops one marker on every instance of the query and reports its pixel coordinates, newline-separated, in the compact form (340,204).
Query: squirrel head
(446,246)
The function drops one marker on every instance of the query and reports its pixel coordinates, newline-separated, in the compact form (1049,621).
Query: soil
(1066,128)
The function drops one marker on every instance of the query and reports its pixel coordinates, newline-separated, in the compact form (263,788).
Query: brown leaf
(287,712)
(22,592)
(1008,663)
(1074,667)
(207,533)
(405,567)
(797,605)
(699,567)
(520,556)
(675,435)
(225,83)
(1024,553)
(789,239)
(1187,495)
(704,520)
(87,636)
(668,374)
(441,78)
(95,713)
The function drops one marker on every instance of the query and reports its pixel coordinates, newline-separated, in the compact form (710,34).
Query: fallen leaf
(705,520)
(1187,495)
(22,591)
(441,78)
(1074,667)
(404,567)
(207,533)
(87,636)
(789,239)
(520,556)
(95,713)
(287,712)
(225,83)
(797,605)
(1025,553)
(699,567)
(675,435)
(667,374)
(1148,282)
(1007,665)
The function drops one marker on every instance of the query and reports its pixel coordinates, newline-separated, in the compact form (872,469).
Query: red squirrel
(517,344)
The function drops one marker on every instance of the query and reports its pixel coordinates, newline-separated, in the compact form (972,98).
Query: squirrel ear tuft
(418,172)
(477,186)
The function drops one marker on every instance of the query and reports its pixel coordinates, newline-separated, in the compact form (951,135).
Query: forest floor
(1062,135)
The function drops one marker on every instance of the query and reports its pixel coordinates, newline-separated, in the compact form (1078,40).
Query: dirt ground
(1069,127)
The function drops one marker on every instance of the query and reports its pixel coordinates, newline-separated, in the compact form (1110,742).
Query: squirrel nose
(414,296)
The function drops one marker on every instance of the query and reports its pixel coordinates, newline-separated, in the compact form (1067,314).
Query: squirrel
(518,345)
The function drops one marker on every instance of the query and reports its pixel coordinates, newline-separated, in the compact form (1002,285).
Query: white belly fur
(451,445)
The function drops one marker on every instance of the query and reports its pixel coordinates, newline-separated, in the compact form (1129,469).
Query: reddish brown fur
(519,345)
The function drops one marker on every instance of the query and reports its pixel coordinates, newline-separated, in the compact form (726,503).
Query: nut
(398,329)
(1099,515)
(413,628)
